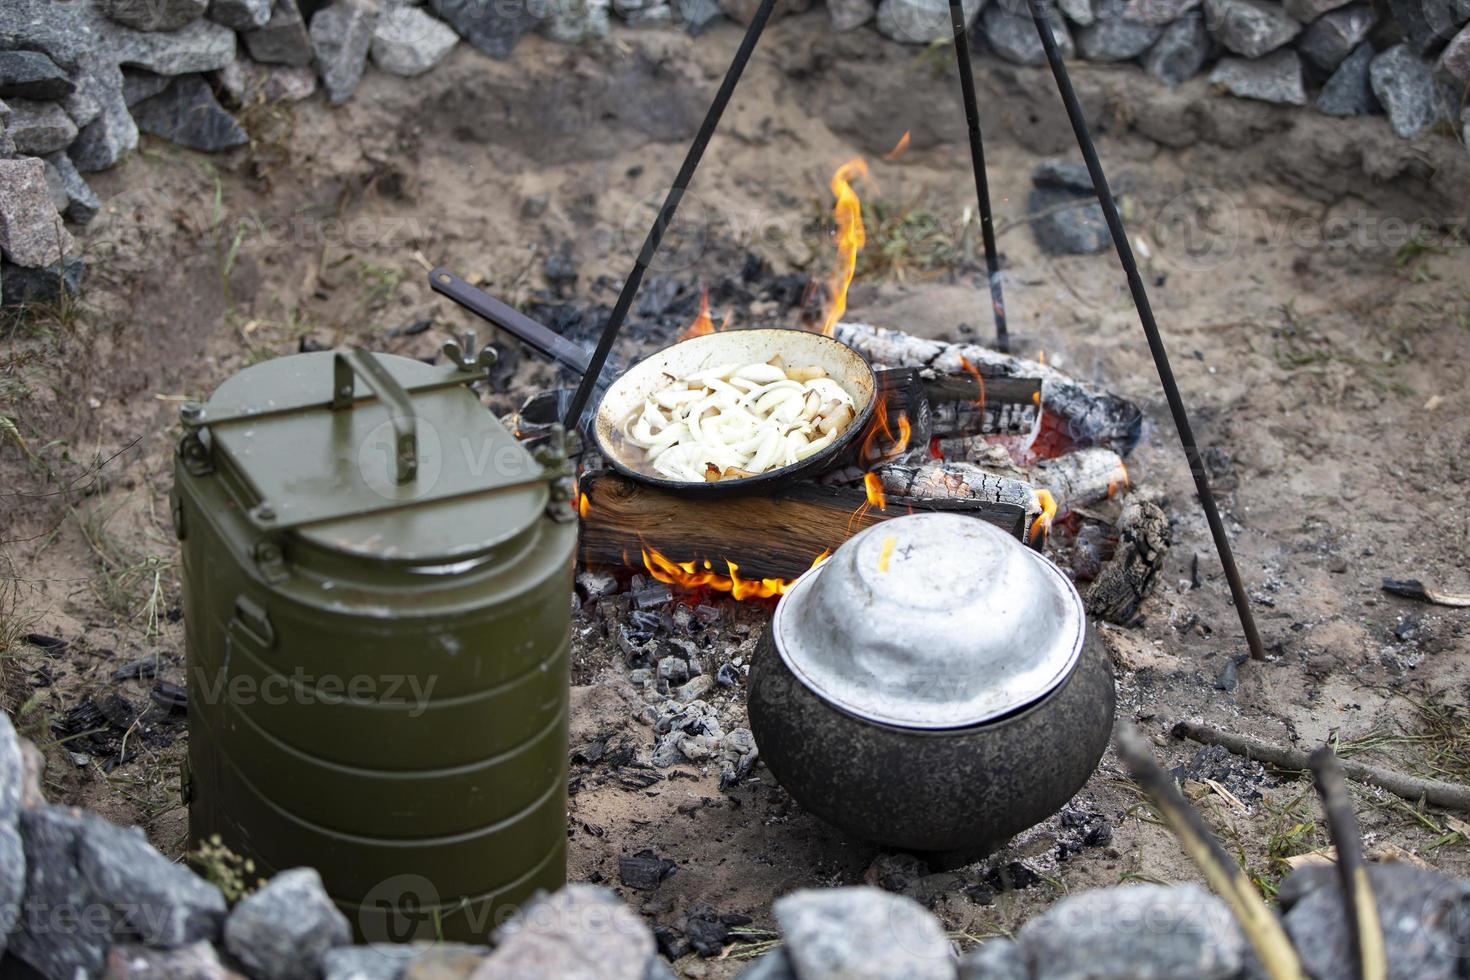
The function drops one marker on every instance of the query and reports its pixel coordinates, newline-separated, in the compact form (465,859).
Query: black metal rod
(666,213)
(1150,329)
(977,163)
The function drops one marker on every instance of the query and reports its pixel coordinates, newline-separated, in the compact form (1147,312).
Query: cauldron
(931,687)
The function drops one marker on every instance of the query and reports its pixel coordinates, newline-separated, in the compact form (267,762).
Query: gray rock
(62,931)
(1274,78)
(283,40)
(39,128)
(492,28)
(1069,223)
(341,36)
(162,903)
(7,145)
(1349,92)
(34,765)
(81,107)
(1160,12)
(697,15)
(658,15)
(62,31)
(743,11)
(573,21)
(199,46)
(775,965)
(408,42)
(1014,36)
(31,232)
(1138,932)
(32,75)
(1428,24)
(921,21)
(79,203)
(12,769)
(862,933)
(12,854)
(1455,60)
(1425,917)
(848,15)
(153,15)
(695,689)
(1249,27)
(1079,12)
(1333,36)
(139,85)
(22,285)
(375,961)
(1404,84)
(1068,175)
(240,15)
(283,930)
(579,933)
(187,113)
(113,134)
(998,959)
(1180,52)
(1114,36)
(1307,11)
(244,81)
(198,961)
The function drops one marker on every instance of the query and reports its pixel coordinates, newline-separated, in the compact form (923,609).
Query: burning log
(1144,536)
(1092,417)
(1082,477)
(941,479)
(749,546)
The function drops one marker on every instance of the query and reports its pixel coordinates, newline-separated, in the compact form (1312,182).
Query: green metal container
(377,592)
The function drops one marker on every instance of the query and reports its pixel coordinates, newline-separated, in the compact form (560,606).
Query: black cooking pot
(931,687)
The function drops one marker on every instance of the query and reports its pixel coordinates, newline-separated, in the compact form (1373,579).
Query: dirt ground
(1309,274)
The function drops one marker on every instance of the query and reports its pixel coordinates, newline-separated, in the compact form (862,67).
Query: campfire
(955,427)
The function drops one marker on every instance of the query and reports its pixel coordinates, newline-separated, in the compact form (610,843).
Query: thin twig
(1434,791)
(1357,892)
(1225,877)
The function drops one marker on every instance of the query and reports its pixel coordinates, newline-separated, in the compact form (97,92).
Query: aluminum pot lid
(931,621)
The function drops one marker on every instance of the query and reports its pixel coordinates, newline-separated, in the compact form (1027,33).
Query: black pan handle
(512,321)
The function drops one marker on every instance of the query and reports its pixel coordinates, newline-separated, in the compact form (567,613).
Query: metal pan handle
(512,321)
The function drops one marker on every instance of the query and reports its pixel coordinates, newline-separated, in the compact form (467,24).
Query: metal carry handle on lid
(358,363)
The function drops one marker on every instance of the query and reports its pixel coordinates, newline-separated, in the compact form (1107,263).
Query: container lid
(319,450)
(931,621)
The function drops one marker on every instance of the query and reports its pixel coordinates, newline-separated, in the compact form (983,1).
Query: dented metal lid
(931,621)
(375,456)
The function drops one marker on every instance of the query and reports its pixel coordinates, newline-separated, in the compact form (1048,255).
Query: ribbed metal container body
(401,728)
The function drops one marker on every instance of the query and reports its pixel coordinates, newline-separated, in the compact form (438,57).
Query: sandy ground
(1322,353)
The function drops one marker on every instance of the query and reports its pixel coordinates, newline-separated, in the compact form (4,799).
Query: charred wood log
(1091,416)
(1144,536)
(776,535)
(1080,478)
(958,481)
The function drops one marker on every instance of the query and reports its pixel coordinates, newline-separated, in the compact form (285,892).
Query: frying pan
(626,395)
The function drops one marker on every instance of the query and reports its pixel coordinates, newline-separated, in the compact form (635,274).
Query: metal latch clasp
(362,364)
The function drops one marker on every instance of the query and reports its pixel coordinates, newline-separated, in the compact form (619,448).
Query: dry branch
(1450,795)
(1094,417)
(1226,878)
(1357,892)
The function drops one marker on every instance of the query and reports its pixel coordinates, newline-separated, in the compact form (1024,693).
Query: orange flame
(583,504)
(1119,483)
(1042,524)
(690,575)
(871,452)
(874,487)
(974,372)
(702,323)
(899,147)
(850,237)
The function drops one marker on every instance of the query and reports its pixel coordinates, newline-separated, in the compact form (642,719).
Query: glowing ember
(701,574)
(1042,524)
(974,372)
(850,237)
(583,504)
(899,147)
(702,323)
(1120,482)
